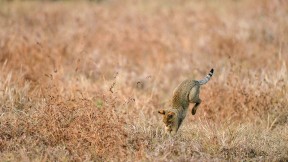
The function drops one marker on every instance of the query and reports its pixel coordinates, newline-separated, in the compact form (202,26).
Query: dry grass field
(83,80)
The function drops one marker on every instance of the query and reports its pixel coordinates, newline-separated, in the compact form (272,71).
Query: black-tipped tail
(207,78)
(211,72)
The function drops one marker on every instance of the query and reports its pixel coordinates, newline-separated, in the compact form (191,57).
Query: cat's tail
(207,77)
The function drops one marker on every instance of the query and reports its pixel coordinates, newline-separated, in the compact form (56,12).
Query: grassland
(83,81)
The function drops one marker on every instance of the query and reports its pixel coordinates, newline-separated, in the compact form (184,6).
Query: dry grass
(83,81)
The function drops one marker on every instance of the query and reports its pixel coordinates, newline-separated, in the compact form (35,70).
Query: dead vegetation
(84,80)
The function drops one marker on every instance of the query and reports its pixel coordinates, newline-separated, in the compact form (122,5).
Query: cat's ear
(161,112)
(170,115)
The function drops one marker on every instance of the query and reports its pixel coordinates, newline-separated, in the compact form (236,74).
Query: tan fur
(187,92)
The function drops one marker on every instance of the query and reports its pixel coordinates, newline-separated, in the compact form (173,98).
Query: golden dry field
(83,80)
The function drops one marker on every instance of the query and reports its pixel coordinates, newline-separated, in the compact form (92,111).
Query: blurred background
(83,80)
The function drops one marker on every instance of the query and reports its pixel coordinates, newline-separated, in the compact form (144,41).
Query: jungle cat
(185,93)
